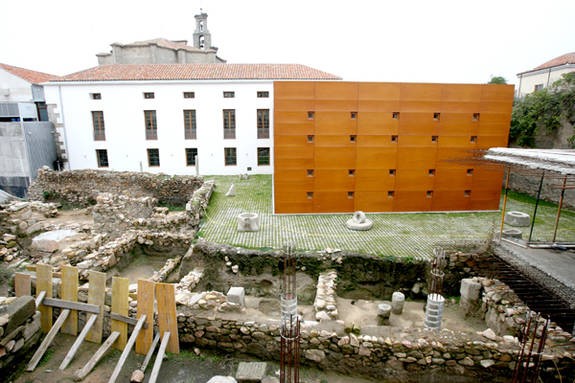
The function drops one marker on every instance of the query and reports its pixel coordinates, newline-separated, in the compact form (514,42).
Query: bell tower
(202,37)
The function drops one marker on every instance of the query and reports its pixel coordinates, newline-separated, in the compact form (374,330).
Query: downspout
(548,76)
(63,127)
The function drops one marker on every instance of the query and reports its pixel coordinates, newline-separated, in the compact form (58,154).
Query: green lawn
(399,235)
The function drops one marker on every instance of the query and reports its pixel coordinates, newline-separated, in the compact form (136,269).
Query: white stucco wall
(14,88)
(547,77)
(123,105)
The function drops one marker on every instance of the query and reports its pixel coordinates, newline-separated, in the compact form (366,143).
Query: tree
(497,80)
(544,111)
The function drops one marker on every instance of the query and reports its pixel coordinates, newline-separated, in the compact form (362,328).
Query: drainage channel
(535,295)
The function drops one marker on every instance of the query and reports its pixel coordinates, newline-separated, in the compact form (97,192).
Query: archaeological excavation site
(130,276)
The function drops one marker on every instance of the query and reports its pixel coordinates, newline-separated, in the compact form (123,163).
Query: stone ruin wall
(81,187)
(550,191)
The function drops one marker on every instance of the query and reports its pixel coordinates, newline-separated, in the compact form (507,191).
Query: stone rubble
(325,303)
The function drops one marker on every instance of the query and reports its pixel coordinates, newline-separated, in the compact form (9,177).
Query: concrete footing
(434,311)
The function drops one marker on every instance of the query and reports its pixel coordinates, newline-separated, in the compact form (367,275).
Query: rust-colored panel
(373,201)
(379,91)
(332,202)
(336,90)
(375,123)
(325,158)
(374,157)
(299,90)
(412,144)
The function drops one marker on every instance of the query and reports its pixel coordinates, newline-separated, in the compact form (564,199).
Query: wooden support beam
(167,317)
(55,302)
(40,298)
(120,297)
(22,284)
(44,283)
(47,340)
(83,372)
(126,319)
(70,294)
(97,296)
(150,353)
(70,355)
(146,294)
(159,358)
(127,349)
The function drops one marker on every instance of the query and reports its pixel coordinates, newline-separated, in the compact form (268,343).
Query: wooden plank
(22,284)
(159,358)
(47,340)
(78,342)
(126,319)
(55,302)
(97,296)
(167,317)
(127,349)
(40,298)
(70,294)
(150,353)
(146,293)
(55,274)
(83,372)
(120,296)
(44,283)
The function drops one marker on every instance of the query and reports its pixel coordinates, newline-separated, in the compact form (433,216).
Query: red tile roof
(29,75)
(568,58)
(123,72)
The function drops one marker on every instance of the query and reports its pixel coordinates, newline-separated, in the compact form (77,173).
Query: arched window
(202,44)
(201,26)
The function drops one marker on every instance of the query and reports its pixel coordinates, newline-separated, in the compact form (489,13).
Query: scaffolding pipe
(559,208)
(536,206)
(504,203)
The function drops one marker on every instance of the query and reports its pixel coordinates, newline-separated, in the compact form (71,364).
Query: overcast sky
(459,41)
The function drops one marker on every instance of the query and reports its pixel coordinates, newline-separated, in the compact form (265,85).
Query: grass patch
(46,357)
(172,207)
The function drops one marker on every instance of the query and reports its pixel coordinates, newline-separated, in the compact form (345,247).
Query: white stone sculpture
(248,222)
(397,302)
(359,222)
(231,191)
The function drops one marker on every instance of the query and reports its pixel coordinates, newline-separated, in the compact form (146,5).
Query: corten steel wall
(322,144)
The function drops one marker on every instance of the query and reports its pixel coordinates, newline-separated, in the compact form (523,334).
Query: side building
(171,118)
(544,75)
(26,135)
(380,147)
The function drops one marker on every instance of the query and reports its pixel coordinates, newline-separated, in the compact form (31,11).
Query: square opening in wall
(309,195)
(352,138)
(310,172)
(475,117)
(434,138)
(392,172)
(394,138)
(390,194)
(436,116)
(350,195)
(429,193)
(310,115)
(310,138)
(473,139)
(395,115)
(351,172)
(469,172)
(149,95)
(467,193)
(96,96)
(353,115)
(431,172)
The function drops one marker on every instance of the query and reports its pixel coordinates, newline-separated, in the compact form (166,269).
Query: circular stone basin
(512,233)
(359,222)
(248,222)
(517,218)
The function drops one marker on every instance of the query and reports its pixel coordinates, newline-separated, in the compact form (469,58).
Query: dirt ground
(68,217)
(183,368)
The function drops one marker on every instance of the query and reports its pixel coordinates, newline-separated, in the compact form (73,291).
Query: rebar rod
(536,206)
(559,209)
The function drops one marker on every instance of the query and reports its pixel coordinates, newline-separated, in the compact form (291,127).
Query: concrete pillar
(397,302)
(434,311)
(470,291)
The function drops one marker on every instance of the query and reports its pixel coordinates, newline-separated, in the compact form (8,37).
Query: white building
(545,74)
(158,117)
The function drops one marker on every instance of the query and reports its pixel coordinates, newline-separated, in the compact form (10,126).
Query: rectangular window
(352,138)
(189,95)
(538,87)
(191,154)
(309,195)
(262,94)
(149,95)
(395,115)
(429,194)
(353,115)
(434,138)
(393,138)
(310,138)
(102,157)
(263,156)
(475,117)
(230,123)
(190,124)
(390,194)
(151,125)
(467,193)
(263,123)
(96,96)
(350,194)
(98,124)
(310,115)
(230,156)
(436,116)
(310,172)
(351,172)
(229,94)
(153,157)
(473,139)
(431,172)
(392,172)
(469,172)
